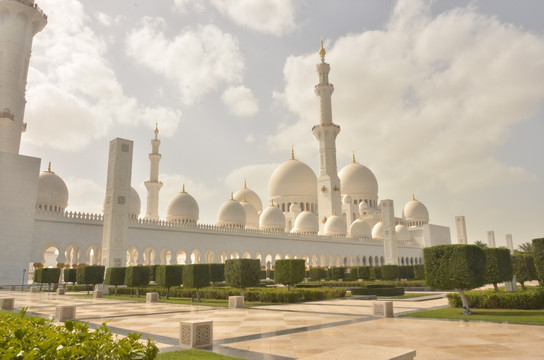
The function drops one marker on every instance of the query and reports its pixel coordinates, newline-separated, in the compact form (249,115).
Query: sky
(441,99)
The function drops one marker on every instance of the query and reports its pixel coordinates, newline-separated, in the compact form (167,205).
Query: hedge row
(489,299)
(389,291)
(271,295)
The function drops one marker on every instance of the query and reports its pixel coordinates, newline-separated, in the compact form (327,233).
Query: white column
(509,243)
(491,239)
(328,183)
(116,205)
(153,185)
(19,22)
(389,242)
(461,230)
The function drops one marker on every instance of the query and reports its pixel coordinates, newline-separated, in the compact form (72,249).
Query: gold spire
(322,51)
(49,167)
(245,184)
(334,212)
(244,198)
(183,188)
(353,156)
(413,197)
(292,152)
(232,196)
(272,202)
(156,129)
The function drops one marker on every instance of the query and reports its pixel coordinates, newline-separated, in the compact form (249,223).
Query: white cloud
(240,101)
(83,195)
(184,6)
(73,91)
(108,20)
(275,17)
(425,102)
(198,60)
(250,139)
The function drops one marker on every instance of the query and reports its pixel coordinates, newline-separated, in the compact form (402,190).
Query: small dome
(377,231)
(346,199)
(292,178)
(402,233)
(306,223)
(52,192)
(231,214)
(134,203)
(272,218)
(363,206)
(357,180)
(415,213)
(335,226)
(182,208)
(295,208)
(360,229)
(252,217)
(250,196)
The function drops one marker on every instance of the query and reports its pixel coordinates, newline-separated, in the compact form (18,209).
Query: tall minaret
(153,185)
(19,22)
(328,183)
(461,230)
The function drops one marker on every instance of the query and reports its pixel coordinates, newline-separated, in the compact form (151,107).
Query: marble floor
(310,330)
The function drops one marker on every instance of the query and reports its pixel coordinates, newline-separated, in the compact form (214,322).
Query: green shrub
(538,253)
(136,276)
(90,275)
(489,299)
(317,274)
(459,267)
(419,272)
(336,273)
(152,271)
(196,276)
(390,272)
(242,273)
(407,272)
(498,266)
(169,275)
(387,291)
(523,266)
(29,337)
(289,272)
(351,274)
(376,273)
(80,288)
(115,276)
(217,273)
(363,272)
(70,275)
(47,276)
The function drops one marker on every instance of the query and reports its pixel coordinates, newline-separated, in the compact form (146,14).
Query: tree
(498,266)
(70,275)
(460,267)
(115,276)
(480,244)
(526,247)
(523,266)
(196,276)
(217,273)
(46,276)
(289,272)
(538,254)
(390,272)
(136,276)
(168,276)
(242,273)
(90,275)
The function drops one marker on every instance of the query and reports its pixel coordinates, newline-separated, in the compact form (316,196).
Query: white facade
(461,226)
(491,239)
(309,217)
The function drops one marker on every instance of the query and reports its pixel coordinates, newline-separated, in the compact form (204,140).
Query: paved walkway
(303,330)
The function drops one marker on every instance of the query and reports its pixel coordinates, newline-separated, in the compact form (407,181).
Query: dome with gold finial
(402,234)
(306,223)
(250,196)
(335,226)
(231,214)
(272,218)
(183,208)
(415,213)
(360,229)
(134,203)
(52,192)
(377,231)
(359,182)
(252,216)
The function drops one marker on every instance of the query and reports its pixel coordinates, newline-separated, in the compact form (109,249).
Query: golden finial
(322,51)
(156,129)
(232,196)
(413,197)
(245,183)
(244,198)
(399,222)
(334,212)
(183,188)
(49,167)
(272,202)
(292,152)
(353,156)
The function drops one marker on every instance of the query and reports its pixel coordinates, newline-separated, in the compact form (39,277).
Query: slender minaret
(328,183)
(509,243)
(19,22)
(491,239)
(461,230)
(153,185)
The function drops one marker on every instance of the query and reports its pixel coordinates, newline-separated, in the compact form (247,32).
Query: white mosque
(329,219)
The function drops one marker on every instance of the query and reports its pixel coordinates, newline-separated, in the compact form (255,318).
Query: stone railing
(70,215)
(29,3)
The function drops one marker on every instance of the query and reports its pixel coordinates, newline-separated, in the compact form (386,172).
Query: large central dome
(293,178)
(357,179)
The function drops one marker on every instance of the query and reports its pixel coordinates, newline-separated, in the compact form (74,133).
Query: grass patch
(185,301)
(529,317)
(193,354)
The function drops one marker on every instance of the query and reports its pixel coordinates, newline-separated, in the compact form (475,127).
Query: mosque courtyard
(334,329)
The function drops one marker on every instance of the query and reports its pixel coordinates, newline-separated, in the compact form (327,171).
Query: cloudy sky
(443,99)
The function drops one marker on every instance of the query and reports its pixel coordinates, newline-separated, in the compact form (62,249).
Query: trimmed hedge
(90,274)
(136,276)
(419,272)
(336,273)
(523,266)
(289,271)
(70,275)
(47,275)
(390,272)
(378,291)
(115,276)
(376,273)
(80,288)
(152,271)
(169,275)
(242,273)
(408,272)
(538,253)
(317,274)
(363,272)
(498,265)
(217,272)
(489,299)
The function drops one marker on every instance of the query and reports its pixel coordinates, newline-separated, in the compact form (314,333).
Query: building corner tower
(19,22)
(328,183)
(461,230)
(153,185)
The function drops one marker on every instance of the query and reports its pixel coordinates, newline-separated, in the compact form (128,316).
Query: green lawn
(193,354)
(529,317)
